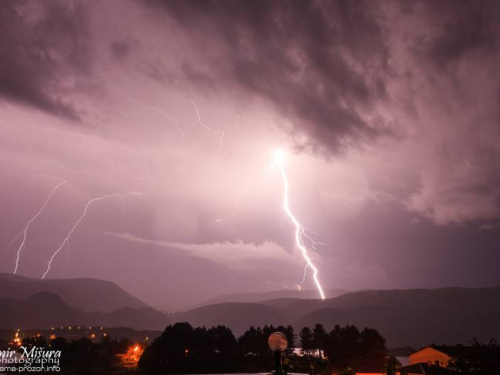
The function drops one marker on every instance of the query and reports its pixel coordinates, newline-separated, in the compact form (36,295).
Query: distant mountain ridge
(85,294)
(272,295)
(415,317)
(43,310)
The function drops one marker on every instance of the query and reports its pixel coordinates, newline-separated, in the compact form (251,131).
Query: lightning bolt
(24,232)
(84,213)
(220,133)
(313,246)
(224,218)
(160,111)
(300,231)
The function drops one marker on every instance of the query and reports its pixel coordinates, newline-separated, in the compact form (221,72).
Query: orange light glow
(17,341)
(133,354)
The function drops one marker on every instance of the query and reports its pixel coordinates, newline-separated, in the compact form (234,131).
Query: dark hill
(266,296)
(44,310)
(415,317)
(83,294)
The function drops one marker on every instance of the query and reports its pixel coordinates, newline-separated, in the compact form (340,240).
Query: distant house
(439,355)
(434,360)
(402,354)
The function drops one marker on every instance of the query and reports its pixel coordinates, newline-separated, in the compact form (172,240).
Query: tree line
(184,349)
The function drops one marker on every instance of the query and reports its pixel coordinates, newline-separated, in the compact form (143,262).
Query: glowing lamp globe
(277,342)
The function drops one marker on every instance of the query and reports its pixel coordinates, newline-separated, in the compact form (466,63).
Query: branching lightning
(24,233)
(300,231)
(84,213)
(220,133)
(313,246)
(160,111)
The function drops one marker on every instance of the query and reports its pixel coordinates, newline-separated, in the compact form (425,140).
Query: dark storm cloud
(464,26)
(41,43)
(457,52)
(320,63)
(120,49)
(347,73)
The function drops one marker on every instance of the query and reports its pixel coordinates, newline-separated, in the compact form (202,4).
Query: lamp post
(277,342)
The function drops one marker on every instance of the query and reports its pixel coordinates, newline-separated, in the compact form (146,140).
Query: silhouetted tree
(250,342)
(290,337)
(81,347)
(306,340)
(363,351)
(373,350)
(254,349)
(482,359)
(106,345)
(319,339)
(224,340)
(392,365)
(123,345)
(184,349)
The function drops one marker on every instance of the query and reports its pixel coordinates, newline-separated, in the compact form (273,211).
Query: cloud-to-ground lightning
(160,111)
(220,133)
(313,246)
(82,216)
(300,231)
(24,233)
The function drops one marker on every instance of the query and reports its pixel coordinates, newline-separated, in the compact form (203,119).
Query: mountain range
(264,296)
(44,309)
(415,317)
(84,294)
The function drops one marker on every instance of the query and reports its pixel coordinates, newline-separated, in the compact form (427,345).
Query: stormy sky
(389,114)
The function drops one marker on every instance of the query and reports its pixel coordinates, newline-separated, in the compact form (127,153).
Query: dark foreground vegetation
(483,359)
(83,356)
(183,349)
